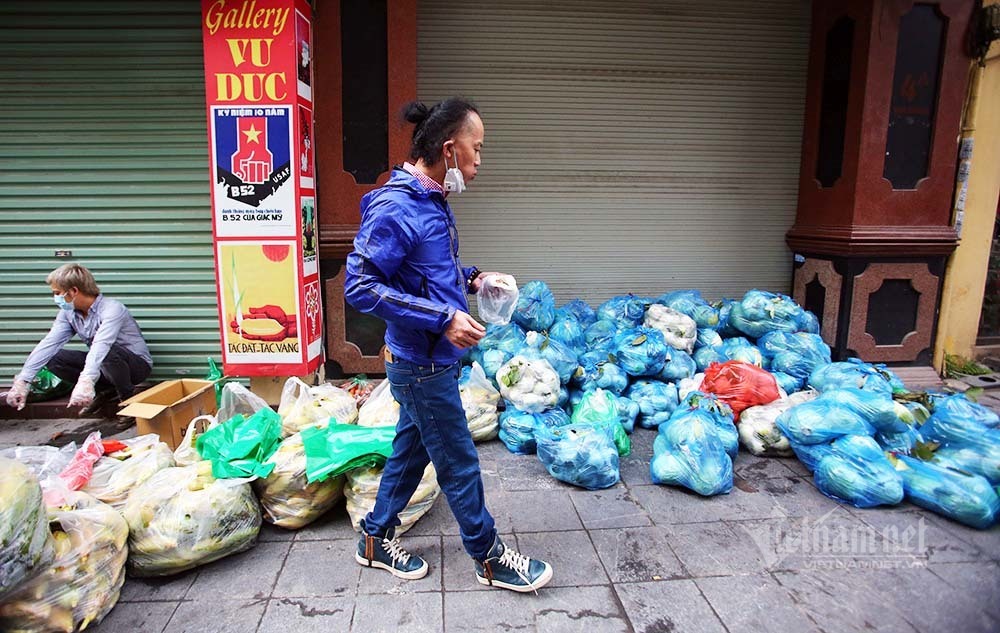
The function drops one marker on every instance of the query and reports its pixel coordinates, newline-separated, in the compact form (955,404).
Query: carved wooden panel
(338,348)
(831,280)
(871,281)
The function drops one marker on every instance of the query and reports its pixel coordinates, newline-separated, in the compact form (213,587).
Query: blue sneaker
(386,553)
(507,569)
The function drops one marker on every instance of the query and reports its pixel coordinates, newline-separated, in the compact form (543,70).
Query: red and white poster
(258,78)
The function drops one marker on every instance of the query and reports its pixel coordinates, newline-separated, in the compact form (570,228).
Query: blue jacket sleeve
(380,247)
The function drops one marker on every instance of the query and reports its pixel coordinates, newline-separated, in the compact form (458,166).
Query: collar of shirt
(84,324)
(426,181)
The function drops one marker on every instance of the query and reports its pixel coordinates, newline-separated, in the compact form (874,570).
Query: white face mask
(454,181)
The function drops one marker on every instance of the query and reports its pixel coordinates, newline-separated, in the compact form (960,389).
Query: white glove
(83,393)
(18,394)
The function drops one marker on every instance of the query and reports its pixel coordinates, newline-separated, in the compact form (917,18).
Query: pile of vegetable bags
(84,581)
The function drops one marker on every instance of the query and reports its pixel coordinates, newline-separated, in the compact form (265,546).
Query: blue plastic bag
(856,471)
(821,420)
(536,307)
(725,328)
(691,303)
(855,373)
(688,452)
(810,454)
(583,455)
(508,338)
(677,366)
(878,409)
(641,351)
(797,354)
(707,337)
(596,371)
(721,413)
(578,308)
(903,442)
(600,335)
(627,311)
(628,412)
(706,356)
(569,332)
(742,350)
(760,312)
(562,358)
(656,400)
(517,428)
(809,323)
(959,407)
(983,460)
(790,384)
(949,429)
(599,407)
(966,498)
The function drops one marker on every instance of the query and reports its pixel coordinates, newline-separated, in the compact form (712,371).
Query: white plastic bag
(362,488)
(186,454)
(679,330)
(381,409)
(480,399)
(688,385)
(238,400)
(302,406)
(497,297)
(287,499)
(117,474)
(183,517)
(42,461)
(531,386)
(758,431)
(83,583)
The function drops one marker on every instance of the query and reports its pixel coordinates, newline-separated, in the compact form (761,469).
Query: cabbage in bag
(722,415)
(856,471)
(578,309)
(691,303)
(83,584)
(183,517)
(962,497)
(759,432)
(857,374)
(302,406)
(563,359)
(569,332)
(656,400)
(583,455)
(117,474)
(529,384)
(788,384)
(479,400)
(361,489)
(760,312)
(626,311)
(641,351)
(597,371)
(704,357)
(688,452)
(742,350)
(26,547)
(287,499)
(678,329)
(600,336)
(536,307)
(821,421)
(677,365)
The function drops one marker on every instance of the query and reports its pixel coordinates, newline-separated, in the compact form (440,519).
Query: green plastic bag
(342,447)
(214,373)
(599,408)
(47,386)
(239,447)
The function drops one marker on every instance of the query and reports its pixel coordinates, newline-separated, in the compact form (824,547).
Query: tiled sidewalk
(773,555)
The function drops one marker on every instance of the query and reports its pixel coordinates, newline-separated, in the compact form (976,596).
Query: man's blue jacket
(405,269)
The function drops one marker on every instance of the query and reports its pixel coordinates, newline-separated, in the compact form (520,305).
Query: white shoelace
(395,550)
(518,562)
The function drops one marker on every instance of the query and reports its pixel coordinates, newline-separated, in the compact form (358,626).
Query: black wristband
(472,277)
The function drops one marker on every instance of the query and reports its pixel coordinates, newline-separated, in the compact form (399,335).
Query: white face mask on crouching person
(454,181)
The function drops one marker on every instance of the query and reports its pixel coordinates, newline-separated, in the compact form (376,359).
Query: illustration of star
(253,134)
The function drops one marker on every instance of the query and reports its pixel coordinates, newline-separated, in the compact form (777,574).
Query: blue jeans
(432,428)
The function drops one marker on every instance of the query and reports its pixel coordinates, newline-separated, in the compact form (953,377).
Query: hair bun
(415,112)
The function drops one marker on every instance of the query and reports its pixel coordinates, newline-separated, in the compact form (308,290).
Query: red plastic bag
(740,385)
(81,468)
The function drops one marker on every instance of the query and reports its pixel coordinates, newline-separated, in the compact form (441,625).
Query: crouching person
(117,360)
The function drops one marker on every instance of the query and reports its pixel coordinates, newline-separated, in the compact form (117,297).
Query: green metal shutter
(103,152)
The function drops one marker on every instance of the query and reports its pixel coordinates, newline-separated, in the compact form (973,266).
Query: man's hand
(18,394)
(83,393)
(478,281)
(463,331)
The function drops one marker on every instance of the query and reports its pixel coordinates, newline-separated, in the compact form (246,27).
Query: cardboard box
(168,408)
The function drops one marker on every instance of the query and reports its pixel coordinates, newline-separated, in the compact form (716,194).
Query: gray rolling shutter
(630,146)
(102,125)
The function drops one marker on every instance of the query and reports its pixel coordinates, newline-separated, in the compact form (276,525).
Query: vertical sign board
(258,79)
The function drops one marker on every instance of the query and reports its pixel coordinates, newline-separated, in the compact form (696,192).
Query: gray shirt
(107,322)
